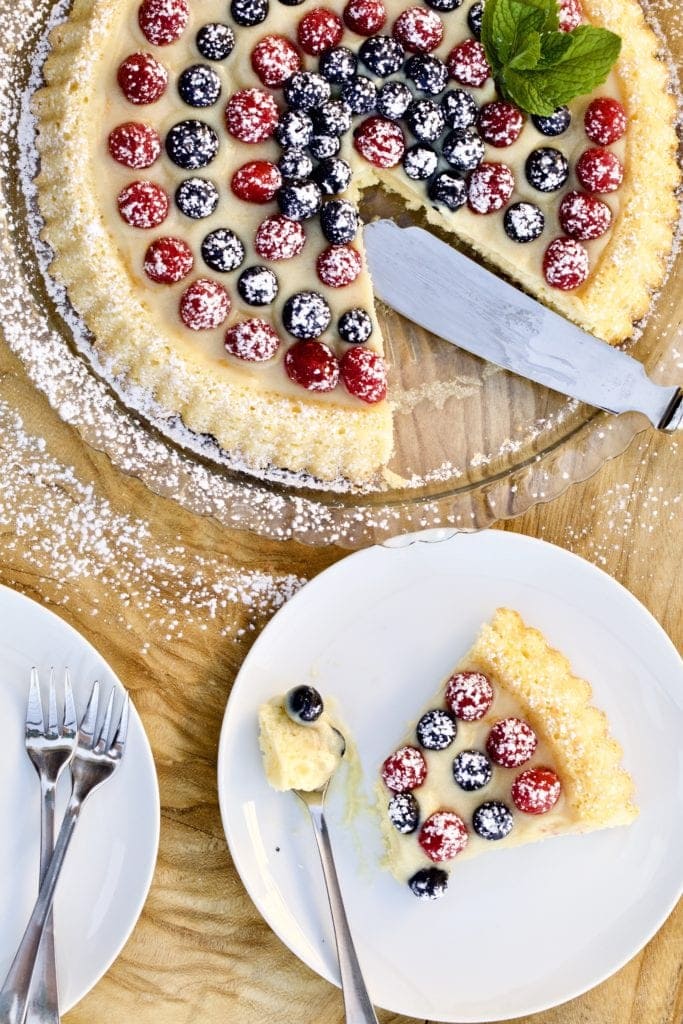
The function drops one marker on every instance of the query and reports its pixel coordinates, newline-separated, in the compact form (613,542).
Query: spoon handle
(357,1005)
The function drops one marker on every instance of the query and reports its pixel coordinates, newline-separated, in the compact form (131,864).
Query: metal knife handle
(673,416)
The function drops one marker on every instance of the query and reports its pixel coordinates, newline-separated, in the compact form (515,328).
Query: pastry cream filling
(297,756)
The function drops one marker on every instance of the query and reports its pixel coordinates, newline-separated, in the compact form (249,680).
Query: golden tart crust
(248,409)
(534,682)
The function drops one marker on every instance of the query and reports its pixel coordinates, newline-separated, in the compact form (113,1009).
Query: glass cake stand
(474,444)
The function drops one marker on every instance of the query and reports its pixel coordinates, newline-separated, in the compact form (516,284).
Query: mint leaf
(536,66)
(529,53)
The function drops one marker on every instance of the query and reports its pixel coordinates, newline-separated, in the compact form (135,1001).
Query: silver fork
(93,763)
(50,751)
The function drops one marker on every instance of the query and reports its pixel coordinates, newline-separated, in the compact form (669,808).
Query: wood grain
(200,950)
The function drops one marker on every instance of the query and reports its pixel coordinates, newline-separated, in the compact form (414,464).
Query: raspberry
(365,17)
(256,181)
(536,791)
(469,695)
(251,115)
(511,742)
(443,836)
(565,264)
(312,365)
(278,238)
(168,260)
(142,79)
(500,123)
(142,204)
(163,21)
(605,121)
(253,340)
(571,14)
(584,216)
(319,30)
(338,265)
(380,141)
(467,63)
(364,374)
(274,59)
(490,187)
(418,30)
(406,768)
(204,305)
(134,145)
(599,170)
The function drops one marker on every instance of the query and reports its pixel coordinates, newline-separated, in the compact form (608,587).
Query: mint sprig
(534,64)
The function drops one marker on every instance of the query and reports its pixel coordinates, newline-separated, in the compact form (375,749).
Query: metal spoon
(357,1005)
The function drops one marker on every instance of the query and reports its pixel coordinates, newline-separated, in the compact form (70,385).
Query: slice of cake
(510,751)
(300,746)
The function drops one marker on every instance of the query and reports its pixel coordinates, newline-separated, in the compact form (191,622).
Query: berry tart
(301,747)
(510,751)
(202,165)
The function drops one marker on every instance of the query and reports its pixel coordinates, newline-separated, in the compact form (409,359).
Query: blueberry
(447,190)
(249,12)
(191,144)
(306,315)
(295,164)
(339,221)
(294,128)
(436,729)
(291,3)
(258,286)
(360,93)
(546,169)
(404,813)
(425,120)
(199,86)
(354,326)
(304,90)
(459,108)
(323,146)
(523,222)
(300,200)
(492,820)
(338,65)
(196,198)
(382,55)
(420,162)
(444,5)
(463,149)
(555,123)
(429,883)
(303,704)
(222,250)
(474,16)
(333,118)
(332,175)
(429,74)
(215,41)
(472,770)
(393,99)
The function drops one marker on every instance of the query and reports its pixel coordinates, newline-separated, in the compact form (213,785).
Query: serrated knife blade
(439,288)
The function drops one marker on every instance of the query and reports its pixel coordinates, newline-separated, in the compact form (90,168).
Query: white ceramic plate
(520,930)
(109,866)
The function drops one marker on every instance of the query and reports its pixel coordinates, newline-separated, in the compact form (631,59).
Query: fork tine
(52,729)
(103,737)
(70,721)
(119,741)
(86,731)
(34,710)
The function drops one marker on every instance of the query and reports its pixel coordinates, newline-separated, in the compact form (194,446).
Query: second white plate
(520,930)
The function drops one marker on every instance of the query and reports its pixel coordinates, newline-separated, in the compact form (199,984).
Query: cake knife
(439,288)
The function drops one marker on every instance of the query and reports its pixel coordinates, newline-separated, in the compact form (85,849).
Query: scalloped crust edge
(557,703)
(268,428)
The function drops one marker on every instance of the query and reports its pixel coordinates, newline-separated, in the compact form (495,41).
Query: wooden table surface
(174,602)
